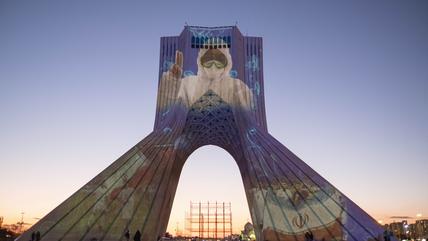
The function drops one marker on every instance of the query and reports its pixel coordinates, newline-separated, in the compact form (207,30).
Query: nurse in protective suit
(214,65)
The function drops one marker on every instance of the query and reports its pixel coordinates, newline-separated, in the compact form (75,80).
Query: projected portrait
(213,75)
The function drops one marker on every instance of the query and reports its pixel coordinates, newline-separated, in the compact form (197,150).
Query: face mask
(216,63)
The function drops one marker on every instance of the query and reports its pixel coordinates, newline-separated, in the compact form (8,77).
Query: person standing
(38,236)
(309,236)
(137,236)
(127,236)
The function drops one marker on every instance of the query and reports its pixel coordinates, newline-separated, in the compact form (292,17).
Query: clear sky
(346,85)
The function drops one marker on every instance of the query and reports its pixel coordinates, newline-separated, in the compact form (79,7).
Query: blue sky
(346,86)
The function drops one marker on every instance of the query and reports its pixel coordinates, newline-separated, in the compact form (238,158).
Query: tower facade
(210,92)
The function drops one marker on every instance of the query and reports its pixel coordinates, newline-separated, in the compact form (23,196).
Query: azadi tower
(211,92)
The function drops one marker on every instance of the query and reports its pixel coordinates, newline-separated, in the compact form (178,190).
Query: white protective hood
(233,91)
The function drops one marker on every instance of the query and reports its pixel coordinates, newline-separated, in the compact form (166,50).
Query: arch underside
(287,198)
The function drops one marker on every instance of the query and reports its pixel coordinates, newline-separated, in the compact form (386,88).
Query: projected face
(214,63)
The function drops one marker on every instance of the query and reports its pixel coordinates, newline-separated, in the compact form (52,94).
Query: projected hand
(177,68)
(170,81)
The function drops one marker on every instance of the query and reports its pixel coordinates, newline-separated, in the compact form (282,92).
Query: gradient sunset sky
(346,85)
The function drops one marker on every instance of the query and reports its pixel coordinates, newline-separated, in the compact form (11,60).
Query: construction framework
(209,220)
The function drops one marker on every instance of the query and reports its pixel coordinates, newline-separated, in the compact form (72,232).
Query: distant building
(412,230)
(404,230)
(399,228)
(7,235)
(421,227)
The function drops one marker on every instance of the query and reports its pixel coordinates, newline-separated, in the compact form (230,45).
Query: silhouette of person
(38,236)
(33,236)
(127,236)
(137,236)
(309,236)
(387,235)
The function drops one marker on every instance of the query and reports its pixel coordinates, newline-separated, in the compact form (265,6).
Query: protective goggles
(217,64)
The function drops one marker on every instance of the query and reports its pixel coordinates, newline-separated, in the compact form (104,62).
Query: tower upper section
(217,58)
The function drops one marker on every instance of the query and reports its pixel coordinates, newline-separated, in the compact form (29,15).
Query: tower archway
(211,175)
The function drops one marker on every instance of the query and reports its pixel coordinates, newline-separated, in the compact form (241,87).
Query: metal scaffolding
(209,220)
